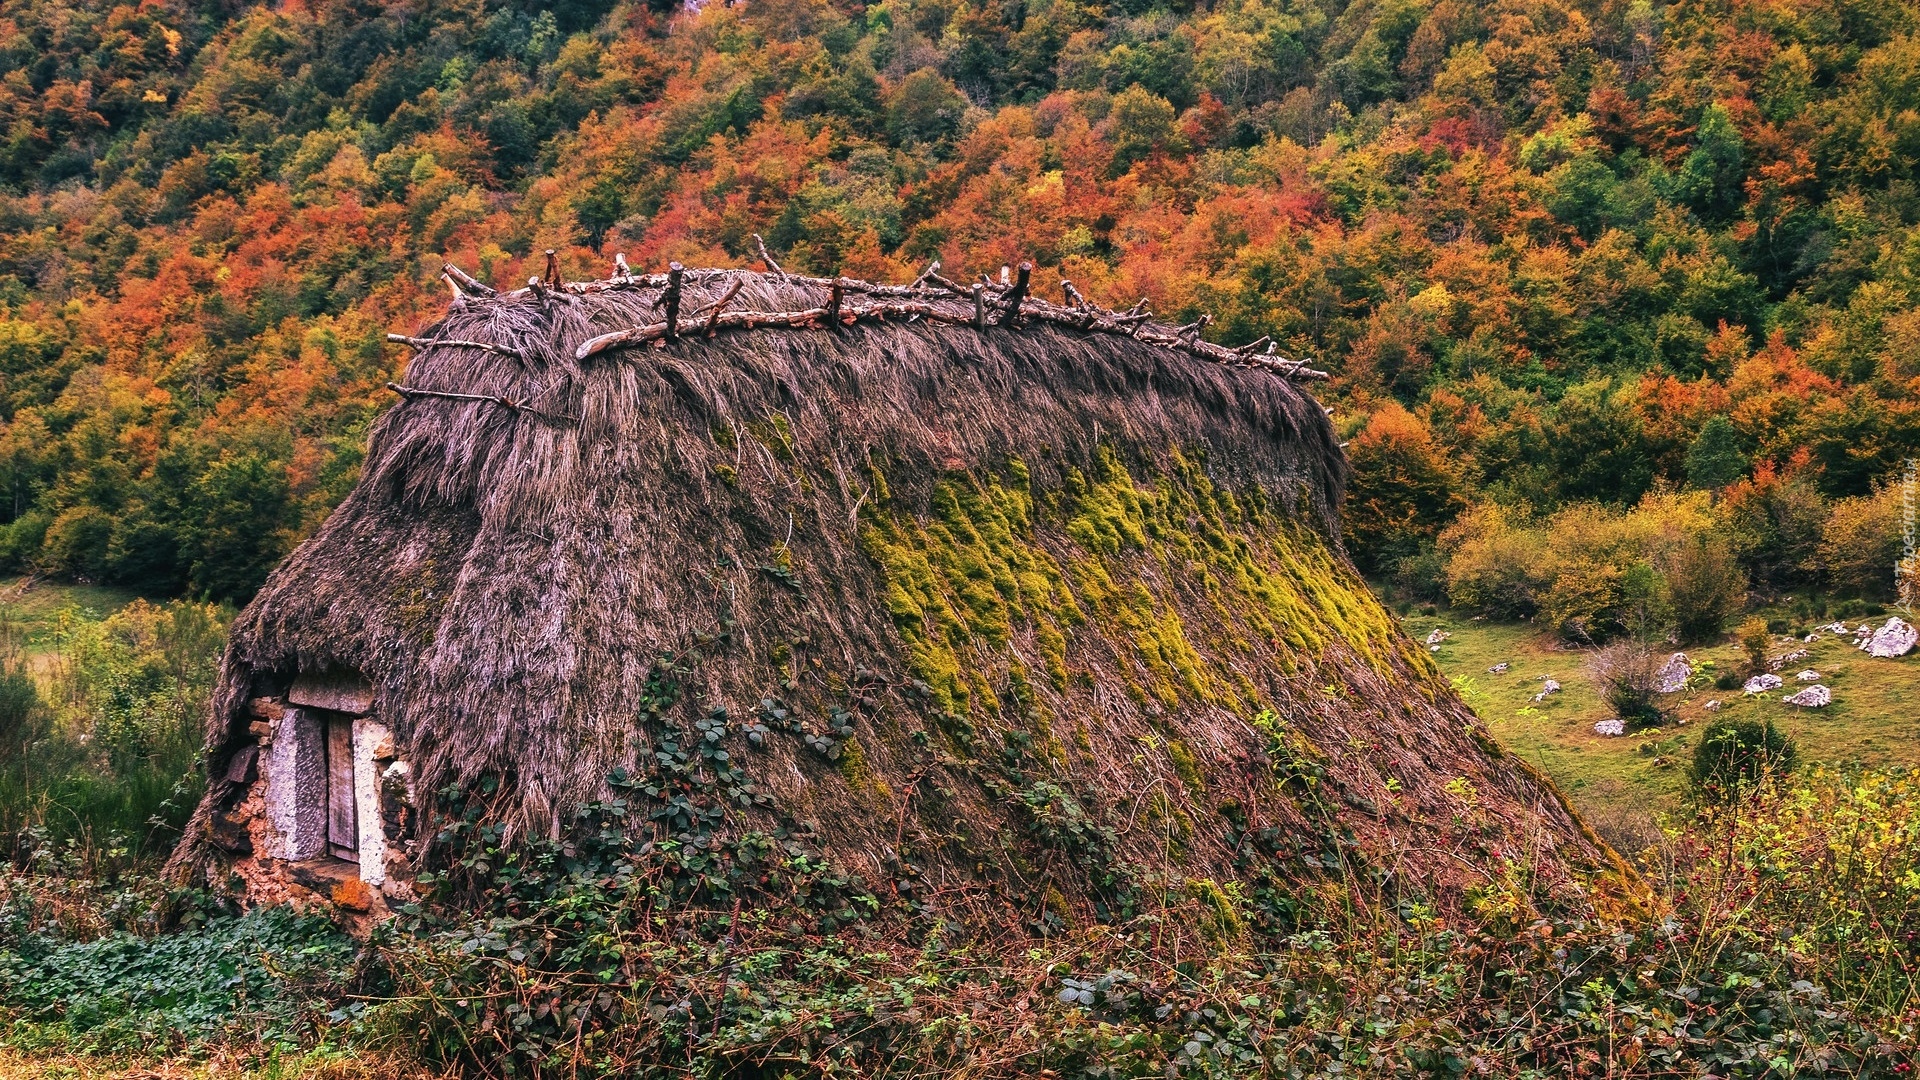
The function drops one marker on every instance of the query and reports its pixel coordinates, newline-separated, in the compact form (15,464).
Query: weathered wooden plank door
(343,820)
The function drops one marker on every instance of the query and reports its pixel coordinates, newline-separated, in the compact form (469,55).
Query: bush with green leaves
(1734,756)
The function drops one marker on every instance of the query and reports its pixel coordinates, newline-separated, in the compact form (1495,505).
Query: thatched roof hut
(958,554)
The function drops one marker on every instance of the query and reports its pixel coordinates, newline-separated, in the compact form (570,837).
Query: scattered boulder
(1549,687)
(1808,675)
(1673,677)
(1779,662)
(1712,706)
(1615,726)
(1813,697)
(1897,638)
(1437,636)
(1498,669)
(1760,684)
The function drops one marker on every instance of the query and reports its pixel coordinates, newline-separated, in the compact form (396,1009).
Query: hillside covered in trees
(1557,252)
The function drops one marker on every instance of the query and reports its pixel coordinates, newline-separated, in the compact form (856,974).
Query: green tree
(1715,459)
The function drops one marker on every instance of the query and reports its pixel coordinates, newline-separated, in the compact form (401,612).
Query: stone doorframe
(298,786)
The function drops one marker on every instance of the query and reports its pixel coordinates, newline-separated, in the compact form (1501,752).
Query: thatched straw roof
(807,501)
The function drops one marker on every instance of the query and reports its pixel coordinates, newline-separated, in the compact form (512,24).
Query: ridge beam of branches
(884,310)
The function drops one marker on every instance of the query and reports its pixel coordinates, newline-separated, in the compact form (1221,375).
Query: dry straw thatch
(1078,539)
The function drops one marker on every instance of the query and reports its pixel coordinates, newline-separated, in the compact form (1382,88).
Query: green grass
(1874,719)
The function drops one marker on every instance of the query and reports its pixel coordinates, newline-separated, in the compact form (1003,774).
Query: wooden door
(343,819)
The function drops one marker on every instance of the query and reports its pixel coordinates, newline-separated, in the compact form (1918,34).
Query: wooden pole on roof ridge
(979,292)
(620,267)
(833,302)
(553,269)
(671,299)
(713,313)
(539,290)
(468,283)
(1016,294)
(767,257)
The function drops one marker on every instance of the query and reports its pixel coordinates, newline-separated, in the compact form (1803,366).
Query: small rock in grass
(1712,706)
(1760,684)
(1437,637)
(1813,697)
(1498,669)
(1808,675)
(1610,727)
(1673,677)
(1550,687)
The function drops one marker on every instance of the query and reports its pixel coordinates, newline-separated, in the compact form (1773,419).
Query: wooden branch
(1254,344)
(713,323)
(767,257)
(1072,294)
(553,270)
(459,298)
(671,299)
(466,282)
(538,288)
(932,270)
(1016,294)
(411,392)
(979,306)
(833,304)
(452,343)
(620,267)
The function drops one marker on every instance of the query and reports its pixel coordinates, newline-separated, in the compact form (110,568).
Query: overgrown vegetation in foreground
(1779,940)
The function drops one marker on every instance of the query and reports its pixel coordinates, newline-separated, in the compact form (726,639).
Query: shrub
(1628,674)
(1422,576)
(1860,545)
(1755,640)
(1496,564)
(1735,755)
(1705,587)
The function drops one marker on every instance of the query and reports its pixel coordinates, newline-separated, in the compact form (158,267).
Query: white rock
(1673,677)
(1813,697)
(1836,628)
(1498,669)
(1810,638)
(1808,675)
(1897,638)
(1433,648)
(1437,637)
(1760,684)
(1550,687)
(1712,706)
(1610,727)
